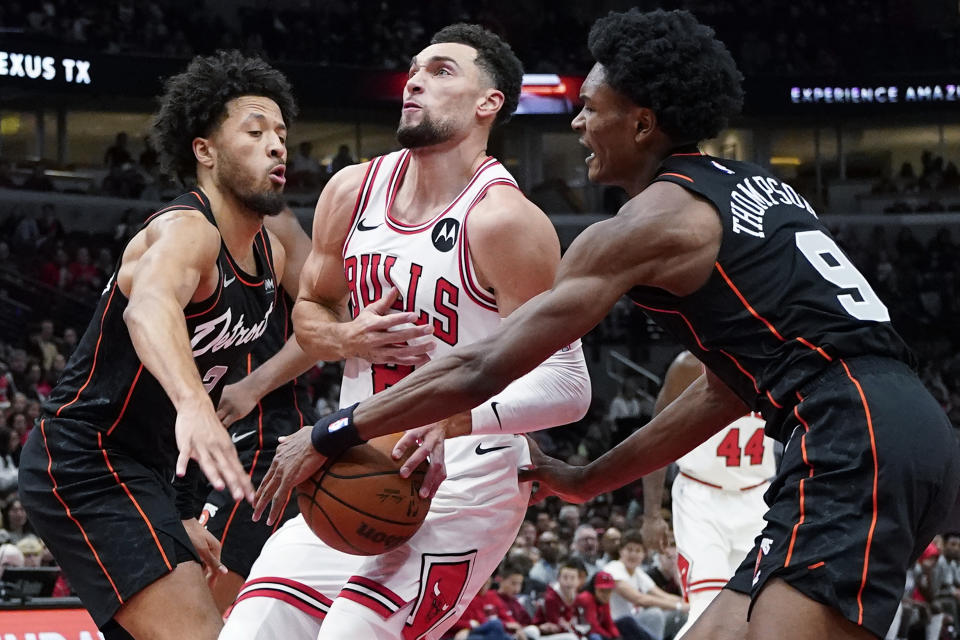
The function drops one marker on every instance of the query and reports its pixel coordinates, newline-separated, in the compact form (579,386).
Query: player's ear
(203,151)
(490,104)
(646,122)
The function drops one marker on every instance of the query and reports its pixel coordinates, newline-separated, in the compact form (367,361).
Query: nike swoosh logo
(227,283)
(363,227)
(480,450)
(493,405)
(237,437)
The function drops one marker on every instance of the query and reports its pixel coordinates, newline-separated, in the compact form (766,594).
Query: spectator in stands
(26,235)
(15,521)
(558,612)
(663,570)
(117,154)
(593,607)
(610,545)
(149,159)
(18,369)
(545,570)
(83,273)
(342,159)
(586,548)
(55,272)
(305,170)
(528,534)
(636,594)
(10,556)
(38,180)
(511,575)
(123,181)
(43,344)
(32,549)
(947,576)
(628,405)
(486,618)
(69,341)
(37,388)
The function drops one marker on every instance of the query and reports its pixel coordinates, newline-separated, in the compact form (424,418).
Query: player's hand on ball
(295,461)
(208,548)
(201,436)
(381,337)
(236,401)
(553,478)
(428,443)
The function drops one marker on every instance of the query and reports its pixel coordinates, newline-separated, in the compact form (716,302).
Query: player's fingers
(209,468)
(276,507)
(407,440)
(182,460)
(381,305)
(265,492)
(437,472)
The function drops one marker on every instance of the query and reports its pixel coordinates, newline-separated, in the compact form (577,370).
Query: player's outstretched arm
(174,261)
(684,369)
(322,322)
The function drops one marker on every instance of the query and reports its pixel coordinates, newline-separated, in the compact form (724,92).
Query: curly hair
(495,57)
(194,102)
(672,64)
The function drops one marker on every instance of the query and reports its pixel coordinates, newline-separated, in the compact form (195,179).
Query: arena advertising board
(48,624)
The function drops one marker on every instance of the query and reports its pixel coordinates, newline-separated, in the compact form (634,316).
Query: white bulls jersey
(738,457)
(430,265)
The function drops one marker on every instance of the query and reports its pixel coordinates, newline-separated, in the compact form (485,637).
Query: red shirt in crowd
(554,609)
(478,608)
(517,610)
(597,614)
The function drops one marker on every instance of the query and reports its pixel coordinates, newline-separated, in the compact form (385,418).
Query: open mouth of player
(592,153)
(278,175)
(410,105)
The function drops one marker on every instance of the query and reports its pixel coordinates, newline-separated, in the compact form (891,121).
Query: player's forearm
(319,331)
(556,392)
(702,410)
(285,365)
(653,492)
(454,383)
(159,335)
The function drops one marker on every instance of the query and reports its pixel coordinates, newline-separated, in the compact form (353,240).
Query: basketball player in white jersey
(718,502)
(444,225)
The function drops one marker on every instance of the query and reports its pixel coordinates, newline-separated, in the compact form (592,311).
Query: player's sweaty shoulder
(340,193)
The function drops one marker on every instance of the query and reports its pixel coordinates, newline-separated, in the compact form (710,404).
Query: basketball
(360,505)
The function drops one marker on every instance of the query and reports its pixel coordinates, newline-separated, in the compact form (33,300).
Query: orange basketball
(359,504)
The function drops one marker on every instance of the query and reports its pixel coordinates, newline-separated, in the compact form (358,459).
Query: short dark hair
(632,536)
(509,568)
(672,64)
(194,102)
(572,563)
(494,56)
(949,535)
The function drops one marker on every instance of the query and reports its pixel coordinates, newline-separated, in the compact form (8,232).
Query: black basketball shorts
(230,521)
(868,476)
(110,521)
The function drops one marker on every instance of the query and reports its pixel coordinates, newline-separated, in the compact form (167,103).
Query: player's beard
(426,133)
(268,202)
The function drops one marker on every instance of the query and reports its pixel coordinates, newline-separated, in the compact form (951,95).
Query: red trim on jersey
(267,589)
(96,350)
(352,591)
(136,504)
(474,291)
(173,207)
(96,556)
(773,401)
(803,448)
(817,565)
(268,258)
(236,271)
(236,504)
(876,473)
(754,486)
(378,588)
(216,295)
(702,589)
(126,401)
(768,324)
(363,198)
(405,229)
(676,175)
(709,484)
(721,581)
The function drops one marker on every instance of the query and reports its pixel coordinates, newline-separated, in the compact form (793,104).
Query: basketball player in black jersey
(736,264)
(192,294)
(262,401)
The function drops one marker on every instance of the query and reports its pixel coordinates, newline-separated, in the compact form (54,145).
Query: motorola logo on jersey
(227,337)
(444,234)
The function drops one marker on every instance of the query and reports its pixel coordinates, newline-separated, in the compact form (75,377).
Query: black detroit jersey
(285,409)
(782,303)
(107,387)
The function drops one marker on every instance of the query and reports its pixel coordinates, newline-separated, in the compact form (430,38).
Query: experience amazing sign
(876,94)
